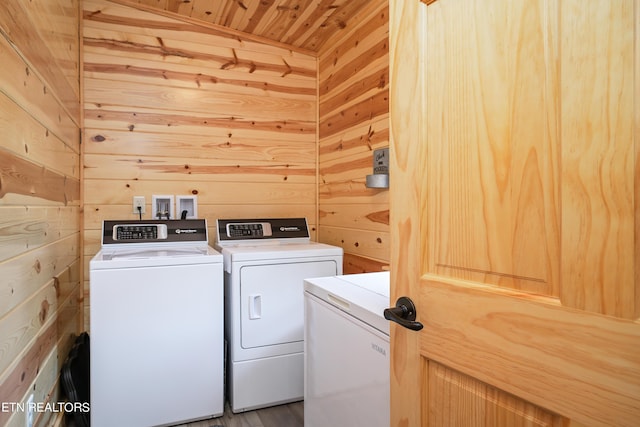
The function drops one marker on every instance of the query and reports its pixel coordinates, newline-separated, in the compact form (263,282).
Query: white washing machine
(347,351)
(265,264)
(157,345)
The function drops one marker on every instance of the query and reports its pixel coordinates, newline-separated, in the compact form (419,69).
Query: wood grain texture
(215,145)
(581,365)
(25,274)
(303,24)
(25,136)
(40,293)
(252,193)
(360,139)
(407,20)
(598,134)
(491,405)
(359,215)
(48,322)
(353,121)
(497,176)
(24,178)
(46,33)
(27,228)
(371,244)
(29,91)
(146,168)
(495,73)
(174,38)
(354,264)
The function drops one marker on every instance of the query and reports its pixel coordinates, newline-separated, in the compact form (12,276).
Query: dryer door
(272,301)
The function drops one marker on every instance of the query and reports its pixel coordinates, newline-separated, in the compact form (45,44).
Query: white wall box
(188,203)
(162,207)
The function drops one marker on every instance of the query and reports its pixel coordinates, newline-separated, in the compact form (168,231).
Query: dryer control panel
(272,229)
(249,229)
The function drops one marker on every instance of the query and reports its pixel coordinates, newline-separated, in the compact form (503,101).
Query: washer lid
(154,256)
(363,296)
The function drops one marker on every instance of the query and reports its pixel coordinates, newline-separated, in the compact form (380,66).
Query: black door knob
(404,313)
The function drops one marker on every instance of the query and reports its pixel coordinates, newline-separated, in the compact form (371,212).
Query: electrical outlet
(138,201)
(31,407)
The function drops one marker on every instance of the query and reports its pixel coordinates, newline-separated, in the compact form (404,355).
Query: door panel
(514,213)
(600,173)
(490,177)
(487,405)
(566,361)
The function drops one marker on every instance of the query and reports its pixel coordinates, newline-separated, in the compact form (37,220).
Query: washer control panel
(150,232)
(139,232)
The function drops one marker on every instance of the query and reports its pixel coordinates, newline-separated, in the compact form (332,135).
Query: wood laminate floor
(289,415)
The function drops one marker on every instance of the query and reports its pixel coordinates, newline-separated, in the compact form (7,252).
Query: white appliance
(265,264)
(347,351)
(157,345)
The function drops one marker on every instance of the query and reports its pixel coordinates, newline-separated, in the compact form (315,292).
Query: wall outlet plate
(139,201)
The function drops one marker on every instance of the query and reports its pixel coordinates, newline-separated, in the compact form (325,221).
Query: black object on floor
(75,380)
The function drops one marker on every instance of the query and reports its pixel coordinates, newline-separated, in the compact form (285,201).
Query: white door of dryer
(272,301)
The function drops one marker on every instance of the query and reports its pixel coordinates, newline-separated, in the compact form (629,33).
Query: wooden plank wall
(353,121)
(176,108)
(40,290)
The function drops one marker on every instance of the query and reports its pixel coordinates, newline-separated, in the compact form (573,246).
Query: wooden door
(515,212)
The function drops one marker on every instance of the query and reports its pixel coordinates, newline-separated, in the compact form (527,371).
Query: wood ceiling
(303,24)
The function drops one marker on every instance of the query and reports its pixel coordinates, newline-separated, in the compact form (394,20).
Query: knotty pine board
(213,146)
(370,244)
(27,182)
(145,120)
(31,227)
(365,216)
(161,97)
(353,192)
(355,264)
(25,273)
(347,168)
(23,85)
(146,168)
(357,140)
(208,192)
(23,135)
(46,34)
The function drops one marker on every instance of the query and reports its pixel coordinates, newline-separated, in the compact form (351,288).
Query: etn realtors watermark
(44,407)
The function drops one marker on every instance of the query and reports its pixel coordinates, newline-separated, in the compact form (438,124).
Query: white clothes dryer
(265,264)
(157,346)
